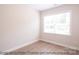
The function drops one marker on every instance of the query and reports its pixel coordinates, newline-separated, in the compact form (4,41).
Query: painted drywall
(71,41)
(20,25)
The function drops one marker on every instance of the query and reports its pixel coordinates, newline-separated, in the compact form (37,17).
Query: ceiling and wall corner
(42,7)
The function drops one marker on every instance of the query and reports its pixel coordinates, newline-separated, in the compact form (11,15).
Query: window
(57,24)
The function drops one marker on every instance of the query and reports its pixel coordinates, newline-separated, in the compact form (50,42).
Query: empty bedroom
(39,29)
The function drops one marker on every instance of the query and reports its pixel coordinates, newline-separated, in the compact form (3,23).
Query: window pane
(59,23)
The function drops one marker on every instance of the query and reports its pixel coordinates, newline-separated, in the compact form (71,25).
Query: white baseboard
(67,46)
(17,47)
(26,44)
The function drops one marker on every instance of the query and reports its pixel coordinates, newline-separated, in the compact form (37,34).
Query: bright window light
(57,24)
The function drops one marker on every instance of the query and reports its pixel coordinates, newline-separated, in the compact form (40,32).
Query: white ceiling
(41,7)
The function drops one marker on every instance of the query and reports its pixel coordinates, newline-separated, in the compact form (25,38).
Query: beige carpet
(44,48)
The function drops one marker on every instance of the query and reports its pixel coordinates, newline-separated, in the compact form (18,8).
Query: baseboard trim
(17,47)
(66,46)
(31,42)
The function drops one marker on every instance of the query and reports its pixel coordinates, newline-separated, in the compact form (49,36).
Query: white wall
(71,41)
(0,34)
(19,24)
